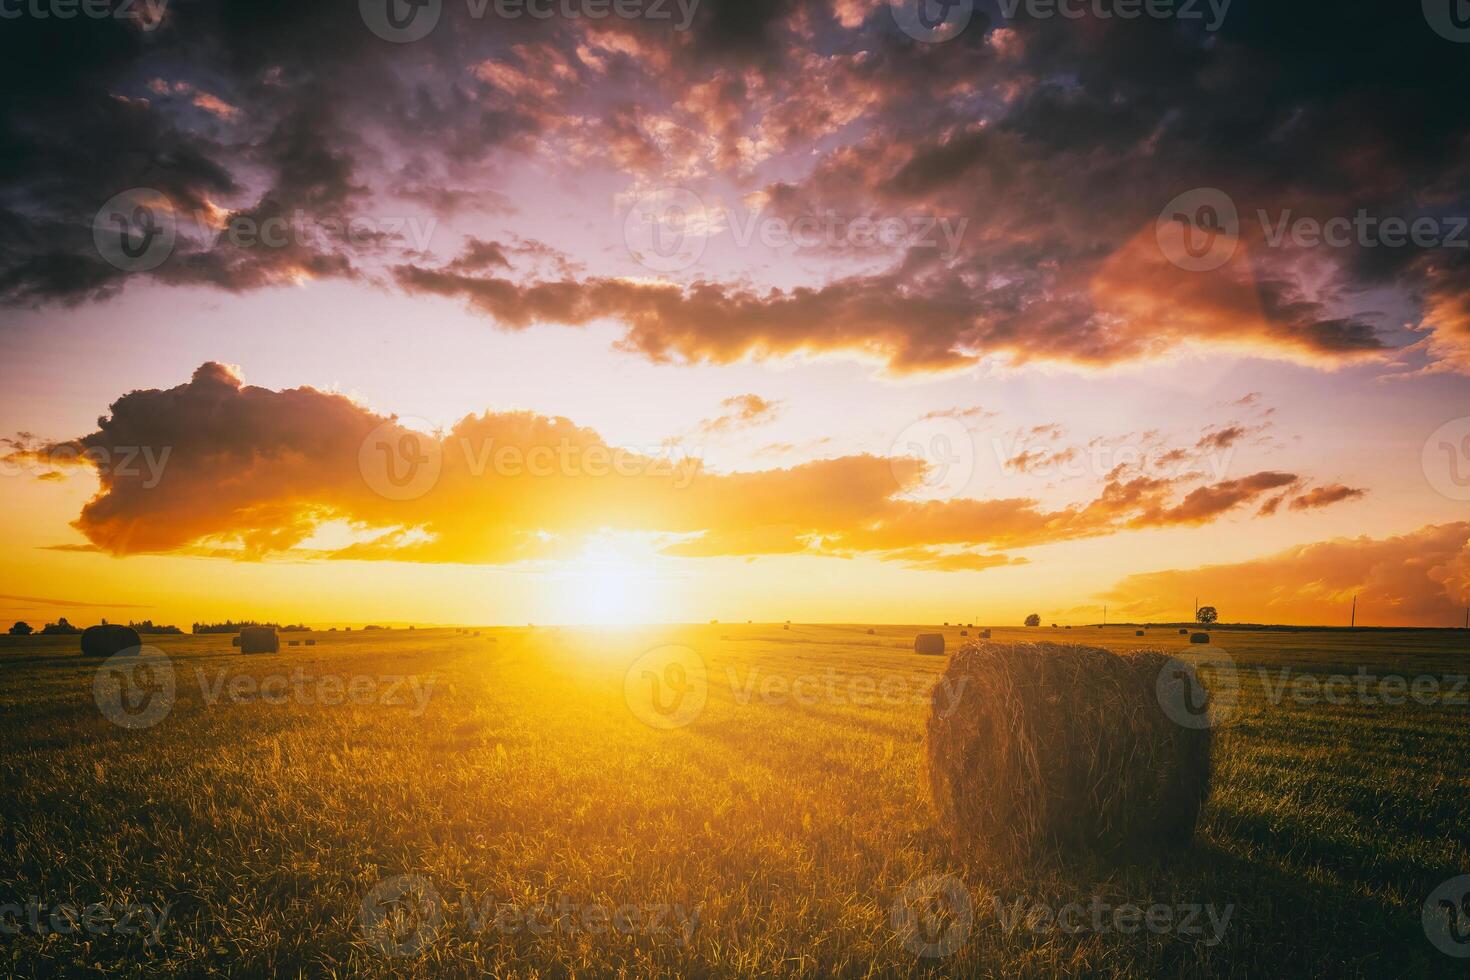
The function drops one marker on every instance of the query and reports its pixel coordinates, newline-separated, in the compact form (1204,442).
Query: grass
(772,834)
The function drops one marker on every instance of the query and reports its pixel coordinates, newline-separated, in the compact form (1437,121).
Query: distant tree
(1207,615)
(147,626)
(21,629)
(1033,620)
(59,628)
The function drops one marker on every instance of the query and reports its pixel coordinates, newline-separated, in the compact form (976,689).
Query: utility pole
(1354,621)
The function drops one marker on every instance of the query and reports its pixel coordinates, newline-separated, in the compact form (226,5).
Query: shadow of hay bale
(1045,749)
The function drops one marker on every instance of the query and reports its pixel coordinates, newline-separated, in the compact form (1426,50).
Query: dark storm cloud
(1060,140)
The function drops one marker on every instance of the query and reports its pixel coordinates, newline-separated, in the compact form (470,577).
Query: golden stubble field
(712,800)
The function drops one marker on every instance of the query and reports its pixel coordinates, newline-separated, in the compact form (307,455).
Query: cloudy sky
(613,310)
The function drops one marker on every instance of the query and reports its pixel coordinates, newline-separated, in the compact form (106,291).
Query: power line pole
(1354,621)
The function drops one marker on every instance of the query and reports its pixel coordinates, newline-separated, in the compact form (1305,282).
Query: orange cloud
(216,466)
(741,412)
(1417,579)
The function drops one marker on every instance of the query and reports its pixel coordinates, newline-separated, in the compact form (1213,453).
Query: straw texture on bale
(1048,749)
(929,643)
(1199,638)
(259,639)
(104,641)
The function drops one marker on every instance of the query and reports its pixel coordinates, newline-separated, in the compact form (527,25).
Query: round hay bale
(311,643)
(1051,749)
(235,640)
(872,632)
(930,644)
(104,641)
(259,639)
(1199,638)
(1138,632)
(964,632)
(985,634)
(1183,632)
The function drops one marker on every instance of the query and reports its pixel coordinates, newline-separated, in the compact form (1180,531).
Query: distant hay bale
(293,643)
(786,627)
(964,632)
(872,632)
(104,641)
(235,640)
(930,644)
(1040,749)
(1199,638)
(311,643)
(985,634)
(1138,632)
(259,639)
(1182,632)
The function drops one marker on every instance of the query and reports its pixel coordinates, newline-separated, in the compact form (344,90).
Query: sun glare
(612,583)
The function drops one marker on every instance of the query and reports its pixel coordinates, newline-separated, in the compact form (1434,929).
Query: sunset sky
(796,313)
